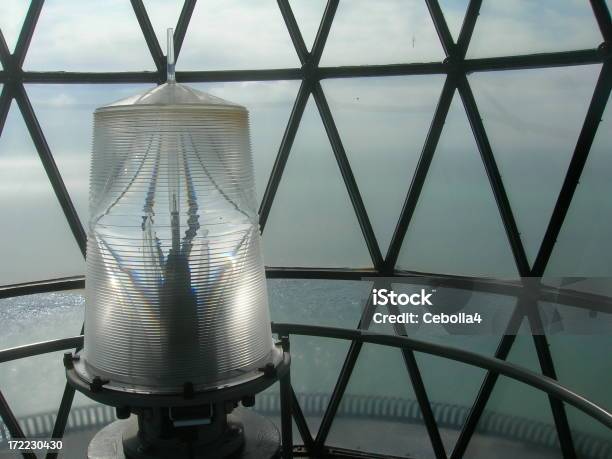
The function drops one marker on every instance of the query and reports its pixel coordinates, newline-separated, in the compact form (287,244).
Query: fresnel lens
(177,328)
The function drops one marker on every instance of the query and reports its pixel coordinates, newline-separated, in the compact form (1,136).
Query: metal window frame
(455,67)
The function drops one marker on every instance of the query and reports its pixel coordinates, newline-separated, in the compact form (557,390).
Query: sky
(533,119)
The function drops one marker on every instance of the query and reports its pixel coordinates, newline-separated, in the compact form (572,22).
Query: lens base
(242,434)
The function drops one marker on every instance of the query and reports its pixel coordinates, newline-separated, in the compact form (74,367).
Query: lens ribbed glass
(175,279)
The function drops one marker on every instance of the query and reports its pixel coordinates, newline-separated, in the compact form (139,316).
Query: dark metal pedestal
(261,439)
(193,423)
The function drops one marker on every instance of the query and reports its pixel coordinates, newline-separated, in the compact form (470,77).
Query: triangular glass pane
(33,389)
(390,32)
(36,241)
(379,412)
(585,234)
(533,119)
(454,13)
(582,363)
(456,227)
(590,436)
(267,403)
(88,36)
(12,14)
(525,27)
(315,368)
(65,113)
(585,375)
(312,222)
(383,123)
(308,14)
(453,386)
(269,104)
(163,14)
(517,417)
(233,34)
(316,362)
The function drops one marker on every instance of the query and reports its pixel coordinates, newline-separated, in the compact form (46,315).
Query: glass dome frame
(455,67)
